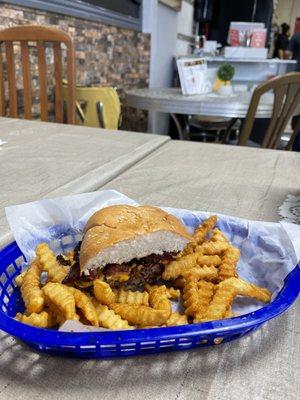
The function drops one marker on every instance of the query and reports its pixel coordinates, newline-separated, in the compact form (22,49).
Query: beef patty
(138,271)
(129,275)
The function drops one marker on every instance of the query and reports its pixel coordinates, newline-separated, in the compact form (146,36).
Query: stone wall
(105,55)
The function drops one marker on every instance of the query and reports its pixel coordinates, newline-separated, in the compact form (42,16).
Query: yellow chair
(96,106)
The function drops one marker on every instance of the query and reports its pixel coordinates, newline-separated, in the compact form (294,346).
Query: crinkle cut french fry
(19,278)
(220,304)
(201,273)
(57,315)
(131,297)
(109,319)
(56,272)
(54,313)
(103,292)
(208,260)
(175,268)
(62,298)
(190,297)
(226,291)
(201,233)
(140,315)
(214,248)
(203,230)
(40,320)
(149,287)
(172,293)
(247,289)
(188,264)
(229,262)
(158,299)
(206,292)
(229,313)
(197,296)
(177,319)
(31,292)
(85,304)
(218,236)
(205,272)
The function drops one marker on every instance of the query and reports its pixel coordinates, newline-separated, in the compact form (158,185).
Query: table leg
(183,135)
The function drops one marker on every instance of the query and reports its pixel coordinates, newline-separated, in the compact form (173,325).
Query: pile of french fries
(204,276)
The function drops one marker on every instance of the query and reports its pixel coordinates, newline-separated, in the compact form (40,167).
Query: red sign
(234,37)
(297,25)
(258,38)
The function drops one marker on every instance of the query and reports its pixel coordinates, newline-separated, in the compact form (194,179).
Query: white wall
(164,23)
(161,22)
(163,45)
(185,27)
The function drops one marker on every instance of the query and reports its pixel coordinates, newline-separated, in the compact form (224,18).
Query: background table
(48,160)
(171,100)
(245,182)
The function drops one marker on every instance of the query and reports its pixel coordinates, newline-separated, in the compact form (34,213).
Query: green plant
(226,72)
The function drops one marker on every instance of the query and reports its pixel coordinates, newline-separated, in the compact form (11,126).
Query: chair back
(97,106)
(39,35)
(286,91)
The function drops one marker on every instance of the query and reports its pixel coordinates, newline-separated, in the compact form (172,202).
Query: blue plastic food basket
(127,343)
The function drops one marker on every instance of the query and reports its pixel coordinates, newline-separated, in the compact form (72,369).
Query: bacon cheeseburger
(128,246)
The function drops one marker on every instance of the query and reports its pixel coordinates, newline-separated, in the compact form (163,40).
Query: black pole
(254,10)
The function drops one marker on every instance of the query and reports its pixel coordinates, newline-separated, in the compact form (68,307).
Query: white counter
(253,71)
(251,60)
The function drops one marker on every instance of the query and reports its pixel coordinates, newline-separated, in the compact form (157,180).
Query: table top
(245,182)
(171,100)
(48,160)
(250,60)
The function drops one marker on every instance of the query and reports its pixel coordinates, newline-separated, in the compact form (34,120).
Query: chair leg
(100,114)
(228,130)
(80,112)
(296,131)
(182,133)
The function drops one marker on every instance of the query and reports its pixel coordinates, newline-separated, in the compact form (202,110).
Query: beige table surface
(244,182)
(241,181)
(48,160)
(265,365)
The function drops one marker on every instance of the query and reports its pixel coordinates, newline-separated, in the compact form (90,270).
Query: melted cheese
(122,277)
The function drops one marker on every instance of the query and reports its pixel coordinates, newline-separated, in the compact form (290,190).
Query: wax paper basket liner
(142,341)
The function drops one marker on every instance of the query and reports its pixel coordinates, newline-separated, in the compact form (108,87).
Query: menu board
(192,75)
